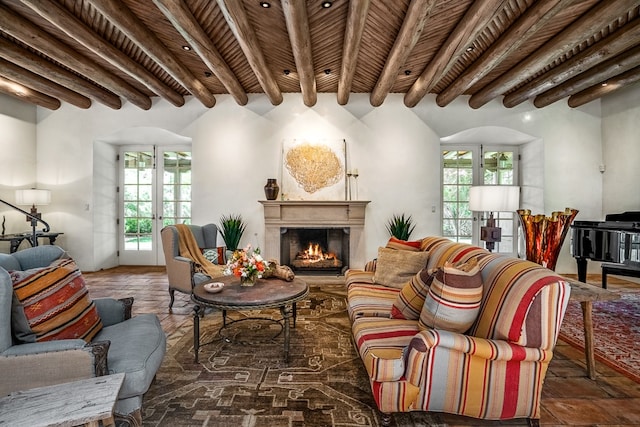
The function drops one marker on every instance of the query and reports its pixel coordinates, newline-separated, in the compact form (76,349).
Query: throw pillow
(395,268)
(453,300)
(404,245)
(56,302)
(410,300)
(211,255)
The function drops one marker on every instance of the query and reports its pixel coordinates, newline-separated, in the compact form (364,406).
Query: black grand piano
(615,242)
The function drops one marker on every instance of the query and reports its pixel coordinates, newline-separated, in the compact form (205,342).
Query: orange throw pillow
(404,245)
(56,302)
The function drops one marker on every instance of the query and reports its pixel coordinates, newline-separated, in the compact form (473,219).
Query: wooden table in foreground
(83,402)
(586,295)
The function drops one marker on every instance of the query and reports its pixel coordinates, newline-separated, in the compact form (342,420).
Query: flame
(314,253)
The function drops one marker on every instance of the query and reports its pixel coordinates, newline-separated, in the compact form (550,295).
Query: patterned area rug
(616,330)
(243,384)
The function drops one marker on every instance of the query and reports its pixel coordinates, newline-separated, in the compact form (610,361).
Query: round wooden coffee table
(266,293)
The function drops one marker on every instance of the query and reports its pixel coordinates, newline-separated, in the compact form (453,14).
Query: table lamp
(493,198)
(33,197)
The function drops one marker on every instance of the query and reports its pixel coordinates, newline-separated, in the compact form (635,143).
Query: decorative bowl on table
(213,287)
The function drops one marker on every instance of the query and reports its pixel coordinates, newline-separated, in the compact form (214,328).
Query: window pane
(177,188)
(457,178)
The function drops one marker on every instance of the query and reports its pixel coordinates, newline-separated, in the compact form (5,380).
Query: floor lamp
(493,198)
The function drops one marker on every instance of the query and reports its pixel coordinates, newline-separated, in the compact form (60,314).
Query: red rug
(616,330)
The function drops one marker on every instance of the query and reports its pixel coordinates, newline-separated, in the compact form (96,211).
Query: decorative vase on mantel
(271,189)
(544,235)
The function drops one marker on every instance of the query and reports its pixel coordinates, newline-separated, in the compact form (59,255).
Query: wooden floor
(569,397)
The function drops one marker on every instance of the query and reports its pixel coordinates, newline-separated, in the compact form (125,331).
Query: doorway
(154,191)
(467,166)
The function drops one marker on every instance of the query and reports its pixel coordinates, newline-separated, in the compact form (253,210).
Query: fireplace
(315,250)
(336,226)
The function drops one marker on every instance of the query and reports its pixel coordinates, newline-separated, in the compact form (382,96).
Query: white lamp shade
(494,198)
(33,197)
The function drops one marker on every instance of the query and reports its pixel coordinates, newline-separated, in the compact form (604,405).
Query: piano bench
(618,269)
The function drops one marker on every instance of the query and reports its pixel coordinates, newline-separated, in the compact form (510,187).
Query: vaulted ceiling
(112,51)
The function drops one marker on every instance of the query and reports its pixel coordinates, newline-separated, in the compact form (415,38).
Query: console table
(16,239)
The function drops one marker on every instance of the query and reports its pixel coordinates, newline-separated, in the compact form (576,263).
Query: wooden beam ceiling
(184,21)
(122,17)
(112,51)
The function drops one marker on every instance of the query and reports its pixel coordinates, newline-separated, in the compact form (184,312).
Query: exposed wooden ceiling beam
(295,15)
(77,30)
(26,94)
(594,76)
(34,63)
(601,15)
(132,27)
(528,24)
(474,21)
(236,18)
(605,49)
(405,41)
(600,90)
(183,20)
(38,39)
(27,78)
(356,20)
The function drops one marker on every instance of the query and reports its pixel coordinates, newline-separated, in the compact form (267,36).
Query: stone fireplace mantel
(279,214)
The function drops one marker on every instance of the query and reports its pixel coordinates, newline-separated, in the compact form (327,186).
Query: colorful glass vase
(544,235)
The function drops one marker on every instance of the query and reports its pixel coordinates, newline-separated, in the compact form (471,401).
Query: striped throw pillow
(403,245)
(56,302)
(410,300)
(453,300)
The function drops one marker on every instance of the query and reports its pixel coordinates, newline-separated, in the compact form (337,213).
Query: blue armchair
(133,345)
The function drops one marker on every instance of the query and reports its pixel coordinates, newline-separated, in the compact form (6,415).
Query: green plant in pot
(231,229)
(400,227)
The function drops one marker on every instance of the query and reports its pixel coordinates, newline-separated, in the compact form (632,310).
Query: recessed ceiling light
(265,4)
(604,84)
(470,49)
(327,4)
(186,47)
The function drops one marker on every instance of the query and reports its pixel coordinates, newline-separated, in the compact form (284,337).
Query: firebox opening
(315,250)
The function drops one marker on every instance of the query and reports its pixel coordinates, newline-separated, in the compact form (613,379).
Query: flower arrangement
(247,264)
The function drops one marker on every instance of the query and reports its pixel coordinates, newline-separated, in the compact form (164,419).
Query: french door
(467,166)
(154,191)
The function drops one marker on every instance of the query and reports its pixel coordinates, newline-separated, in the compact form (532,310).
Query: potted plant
(400,227)
(231,229)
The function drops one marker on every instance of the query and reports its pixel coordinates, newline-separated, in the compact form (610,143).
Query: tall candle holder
(355,176)
(349,175)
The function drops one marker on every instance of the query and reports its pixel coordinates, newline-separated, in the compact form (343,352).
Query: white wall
(65,149)
(621,151)
(396,149)
(17,162)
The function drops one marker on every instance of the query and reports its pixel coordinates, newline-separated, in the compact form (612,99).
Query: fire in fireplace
(314,256)
(318,250)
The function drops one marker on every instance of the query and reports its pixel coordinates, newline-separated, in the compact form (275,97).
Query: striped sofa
(495,370)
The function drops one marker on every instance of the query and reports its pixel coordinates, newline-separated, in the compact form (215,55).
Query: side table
(83,402)
(586,294)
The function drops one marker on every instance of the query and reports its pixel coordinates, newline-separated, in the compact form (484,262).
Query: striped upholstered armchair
(494,369)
